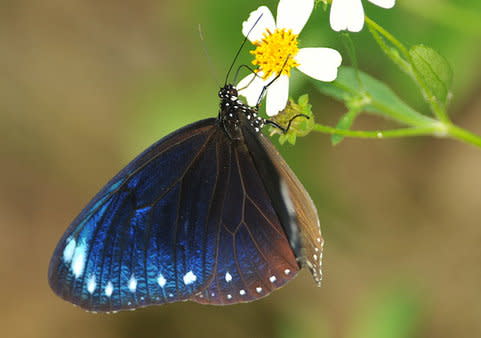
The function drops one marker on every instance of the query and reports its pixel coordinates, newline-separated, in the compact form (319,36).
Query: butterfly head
(230,105)
(228,92)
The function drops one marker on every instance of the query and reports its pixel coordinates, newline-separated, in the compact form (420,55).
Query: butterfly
(210,213)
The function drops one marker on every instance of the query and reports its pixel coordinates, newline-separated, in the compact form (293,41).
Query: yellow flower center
(275,53)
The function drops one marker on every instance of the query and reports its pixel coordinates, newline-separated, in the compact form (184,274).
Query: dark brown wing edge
(292,202)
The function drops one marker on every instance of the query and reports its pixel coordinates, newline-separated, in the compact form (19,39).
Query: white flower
(277,53)
(349,14)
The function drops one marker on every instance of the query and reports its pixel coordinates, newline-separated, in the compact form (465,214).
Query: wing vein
(127,178)
(264,216)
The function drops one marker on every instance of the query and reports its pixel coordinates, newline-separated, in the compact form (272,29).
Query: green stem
(380,134)
(463,135)
(392,53)
(437,129)
(388,36)
(351,50)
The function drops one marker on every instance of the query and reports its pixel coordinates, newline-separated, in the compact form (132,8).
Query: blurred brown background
(85,85)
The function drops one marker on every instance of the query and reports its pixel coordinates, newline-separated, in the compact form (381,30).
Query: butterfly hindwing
(293,205)
(254,256)
(298,202)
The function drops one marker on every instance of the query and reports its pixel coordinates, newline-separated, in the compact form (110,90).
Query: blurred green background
(85,85)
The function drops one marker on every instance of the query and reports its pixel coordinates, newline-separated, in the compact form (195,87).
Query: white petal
(319,63)
(293,14)
(384,3)
(277,95)
(347,15)
(257,23)
(251,87)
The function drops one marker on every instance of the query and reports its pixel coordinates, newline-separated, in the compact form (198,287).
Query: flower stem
(351,50)
(437,129)
(463,135)
(380,134)
(388,36)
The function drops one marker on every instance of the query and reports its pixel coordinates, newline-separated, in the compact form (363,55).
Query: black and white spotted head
(233,110)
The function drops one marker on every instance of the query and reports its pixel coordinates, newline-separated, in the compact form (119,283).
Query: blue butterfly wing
(136,232)
(187,219)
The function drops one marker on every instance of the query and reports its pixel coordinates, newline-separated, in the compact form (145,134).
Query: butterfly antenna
(240,49)
(213,72)
(250,70)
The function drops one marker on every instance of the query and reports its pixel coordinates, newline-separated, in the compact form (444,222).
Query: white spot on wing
(132,283)
(161,280)
(78,259)
(287,198)
(91,284)
(242,292)
(258,289)
(189,278)
(272,278)
(228,277)
(287,271)
(229,296)
(69,250)
(109,289)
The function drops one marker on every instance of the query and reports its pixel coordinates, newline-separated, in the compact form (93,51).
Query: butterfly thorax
(233,113)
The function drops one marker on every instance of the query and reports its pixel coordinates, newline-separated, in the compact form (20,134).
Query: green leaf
(434,70)
(282,139)
(344,123)
(291,138)
(299,125)
(303,100)
(373,97)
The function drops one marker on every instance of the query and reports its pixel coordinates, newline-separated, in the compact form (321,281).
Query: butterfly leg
(264,89)
(285,129)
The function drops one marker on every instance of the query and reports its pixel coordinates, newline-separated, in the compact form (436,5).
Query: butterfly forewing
(132,234)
